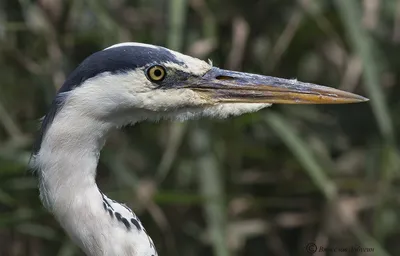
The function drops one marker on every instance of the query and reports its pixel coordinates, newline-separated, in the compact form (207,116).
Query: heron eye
(156,73)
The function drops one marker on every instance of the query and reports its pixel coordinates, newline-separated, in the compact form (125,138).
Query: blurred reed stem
(362,44)
(303,154)
(211,187)
(316,172)
(210,182)
(177,17)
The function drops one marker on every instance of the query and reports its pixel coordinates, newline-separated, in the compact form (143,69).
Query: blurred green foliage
(261,184)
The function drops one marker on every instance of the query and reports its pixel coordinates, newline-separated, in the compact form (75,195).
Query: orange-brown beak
(225,86)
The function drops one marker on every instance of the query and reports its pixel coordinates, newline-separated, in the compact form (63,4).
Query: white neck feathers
(66,164)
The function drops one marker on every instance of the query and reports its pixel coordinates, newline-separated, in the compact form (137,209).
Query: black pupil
(157,72)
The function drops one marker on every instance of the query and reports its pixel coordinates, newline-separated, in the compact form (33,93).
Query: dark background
(267,183)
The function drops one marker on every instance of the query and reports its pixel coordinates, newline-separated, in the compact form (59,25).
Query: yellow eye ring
(156,73)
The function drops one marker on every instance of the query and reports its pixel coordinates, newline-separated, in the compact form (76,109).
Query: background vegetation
(261,184)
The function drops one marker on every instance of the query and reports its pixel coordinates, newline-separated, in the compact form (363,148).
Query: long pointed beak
(225,86)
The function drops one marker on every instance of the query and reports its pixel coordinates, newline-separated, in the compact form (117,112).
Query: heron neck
(67,163)
(69,154)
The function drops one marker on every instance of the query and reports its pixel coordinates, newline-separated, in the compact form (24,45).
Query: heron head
(154,82)
(129,82)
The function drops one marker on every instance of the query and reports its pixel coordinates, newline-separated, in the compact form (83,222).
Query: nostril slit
(224,78)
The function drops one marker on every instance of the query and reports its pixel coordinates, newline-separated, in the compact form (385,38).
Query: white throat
(66,165)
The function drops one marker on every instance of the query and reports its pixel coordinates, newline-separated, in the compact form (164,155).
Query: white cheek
(233,109)
(169,100)
(216,111)
(109,94)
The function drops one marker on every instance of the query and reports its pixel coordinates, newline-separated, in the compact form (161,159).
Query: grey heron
(125,84)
